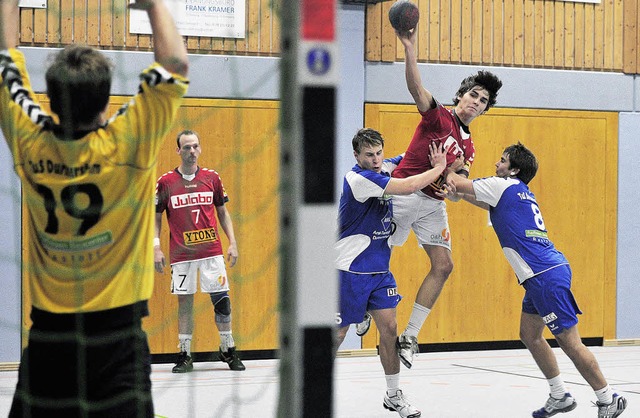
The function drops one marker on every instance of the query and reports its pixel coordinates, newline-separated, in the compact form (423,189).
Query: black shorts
(85,365)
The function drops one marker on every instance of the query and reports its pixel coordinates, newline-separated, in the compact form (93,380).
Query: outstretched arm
(9,16)
(412,184)
(422,97)
(460,186)
(168,45)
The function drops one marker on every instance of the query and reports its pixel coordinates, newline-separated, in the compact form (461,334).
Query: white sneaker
(407,346)
(399,404)
(555,406)
(363,327)
(613,409)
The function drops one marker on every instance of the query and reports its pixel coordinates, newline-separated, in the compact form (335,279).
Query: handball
(404,15)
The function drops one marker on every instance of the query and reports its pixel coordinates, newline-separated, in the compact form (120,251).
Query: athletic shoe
(612,410)
(407,346)
(184,363)
(232,359)
(556,406)
(399,404)
(363,327)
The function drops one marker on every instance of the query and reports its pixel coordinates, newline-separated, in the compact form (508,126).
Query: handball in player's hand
(404,15)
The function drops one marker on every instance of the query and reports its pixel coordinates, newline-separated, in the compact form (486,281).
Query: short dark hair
(186,132)
(78,84)
(523,159)
(485,79)
(366,136)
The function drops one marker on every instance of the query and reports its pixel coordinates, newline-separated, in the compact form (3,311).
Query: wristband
(156,242)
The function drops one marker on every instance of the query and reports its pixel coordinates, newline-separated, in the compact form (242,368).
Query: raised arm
(9,17)
(168,45)
(422,97)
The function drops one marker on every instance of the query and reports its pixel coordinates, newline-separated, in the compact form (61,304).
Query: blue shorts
(549,295)
(365,292)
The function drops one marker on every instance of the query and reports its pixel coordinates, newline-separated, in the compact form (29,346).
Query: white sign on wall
(211,18)
(34,4)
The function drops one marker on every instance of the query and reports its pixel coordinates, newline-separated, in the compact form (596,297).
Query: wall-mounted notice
(34,4)
(211,18)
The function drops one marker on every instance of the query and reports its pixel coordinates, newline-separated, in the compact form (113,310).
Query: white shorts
(213,276)
(425,215)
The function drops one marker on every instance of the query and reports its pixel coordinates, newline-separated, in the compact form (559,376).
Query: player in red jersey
(424,211)
(192,196)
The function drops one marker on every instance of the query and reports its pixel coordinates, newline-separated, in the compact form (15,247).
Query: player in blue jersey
(365,217)
(544,273)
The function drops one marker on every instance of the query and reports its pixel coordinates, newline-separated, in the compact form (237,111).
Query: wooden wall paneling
(579,36)
(466,40)
(93,22)
(193,43)
(106,24)
(518,32)
(549,33)
(66,22)
(26,26)
(389,38)
(564,35)
(569,35)
(608,45)
(618,35)
(477,41)
(430,45)
(631,52)
(489,42)
(274,24)
(456,31)
(538,34)
(598,36)
(373,29)
(53,22)
(480,267)
(80,22)
(509,39)
(39,26)
(529,43)
(119,23)
(589,30)
(444,54)
(266,25)
(231,45)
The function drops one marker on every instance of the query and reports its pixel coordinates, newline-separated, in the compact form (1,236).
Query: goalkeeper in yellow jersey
(88,187)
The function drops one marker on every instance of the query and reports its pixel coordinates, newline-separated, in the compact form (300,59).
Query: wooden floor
(471,384)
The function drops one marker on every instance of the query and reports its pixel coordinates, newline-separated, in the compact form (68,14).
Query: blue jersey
(518,223)
(365,216)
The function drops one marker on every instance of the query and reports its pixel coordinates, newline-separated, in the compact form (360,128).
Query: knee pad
(221,306)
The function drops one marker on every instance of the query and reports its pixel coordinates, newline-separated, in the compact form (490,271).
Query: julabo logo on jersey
(199,236)
(191,199)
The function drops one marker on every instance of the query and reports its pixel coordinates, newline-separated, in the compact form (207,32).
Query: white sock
(393,383)
(226,341)
(184,344)
(605,395)
(418,316)
(556,387)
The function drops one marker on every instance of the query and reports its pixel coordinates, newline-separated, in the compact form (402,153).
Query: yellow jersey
(89,200)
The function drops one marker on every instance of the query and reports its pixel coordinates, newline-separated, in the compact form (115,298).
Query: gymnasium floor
(472,384)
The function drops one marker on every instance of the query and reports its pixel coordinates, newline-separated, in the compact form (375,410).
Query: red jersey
(191,213)
(441,126)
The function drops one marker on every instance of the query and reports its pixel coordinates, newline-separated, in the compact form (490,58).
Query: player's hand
(232,255)
(437,155)
(408,38)
(457,164)
(142,4)
(158,259)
